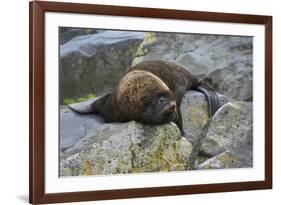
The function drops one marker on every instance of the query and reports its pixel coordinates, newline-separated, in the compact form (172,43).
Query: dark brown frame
(36,100)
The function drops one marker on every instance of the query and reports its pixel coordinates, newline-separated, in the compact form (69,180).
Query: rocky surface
(129,148)
(74,127)
(224,160)
(225,62)
(234,80)
(195,113)
(231,129)
(94,63)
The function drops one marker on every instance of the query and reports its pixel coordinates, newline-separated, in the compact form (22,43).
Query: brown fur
(137,95)
(177,78)
(134,88)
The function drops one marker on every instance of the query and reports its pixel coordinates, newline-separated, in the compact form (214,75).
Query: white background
(14,100)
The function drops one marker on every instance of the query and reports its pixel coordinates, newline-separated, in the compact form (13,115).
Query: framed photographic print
(139,102)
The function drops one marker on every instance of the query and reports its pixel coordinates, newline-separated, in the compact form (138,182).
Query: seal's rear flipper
(89,106)
(212,99)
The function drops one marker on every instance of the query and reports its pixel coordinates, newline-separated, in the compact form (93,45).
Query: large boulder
(231,129)
(225,61)
(226,140)
(129,148)
(95,63)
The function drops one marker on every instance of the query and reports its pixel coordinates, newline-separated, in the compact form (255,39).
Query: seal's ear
(92,105)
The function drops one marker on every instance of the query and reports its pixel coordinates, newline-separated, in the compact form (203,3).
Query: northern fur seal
(151,92)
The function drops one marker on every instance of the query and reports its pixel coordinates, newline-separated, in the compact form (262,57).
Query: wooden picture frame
(37,10)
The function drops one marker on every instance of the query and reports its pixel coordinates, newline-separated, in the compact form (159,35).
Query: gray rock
(195,113)
(68,33)
(129,148)
(235,81)
(224,160)
(225,60)
(88,45)
(95,63)
(231,129)
(74,127)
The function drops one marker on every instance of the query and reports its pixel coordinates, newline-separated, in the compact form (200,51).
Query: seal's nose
(172,106)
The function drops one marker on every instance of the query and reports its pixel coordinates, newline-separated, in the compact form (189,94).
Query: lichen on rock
(133,148)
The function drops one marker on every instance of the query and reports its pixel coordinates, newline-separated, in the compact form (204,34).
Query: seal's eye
(162,100)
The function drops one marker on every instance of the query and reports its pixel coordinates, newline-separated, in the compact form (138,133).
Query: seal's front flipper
(178,122)
(89,106)
(212,99)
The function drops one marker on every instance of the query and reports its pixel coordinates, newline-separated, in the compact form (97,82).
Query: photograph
(129,102)
(133,101)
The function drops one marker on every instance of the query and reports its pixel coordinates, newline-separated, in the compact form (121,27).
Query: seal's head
(144,97)
(160,108)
